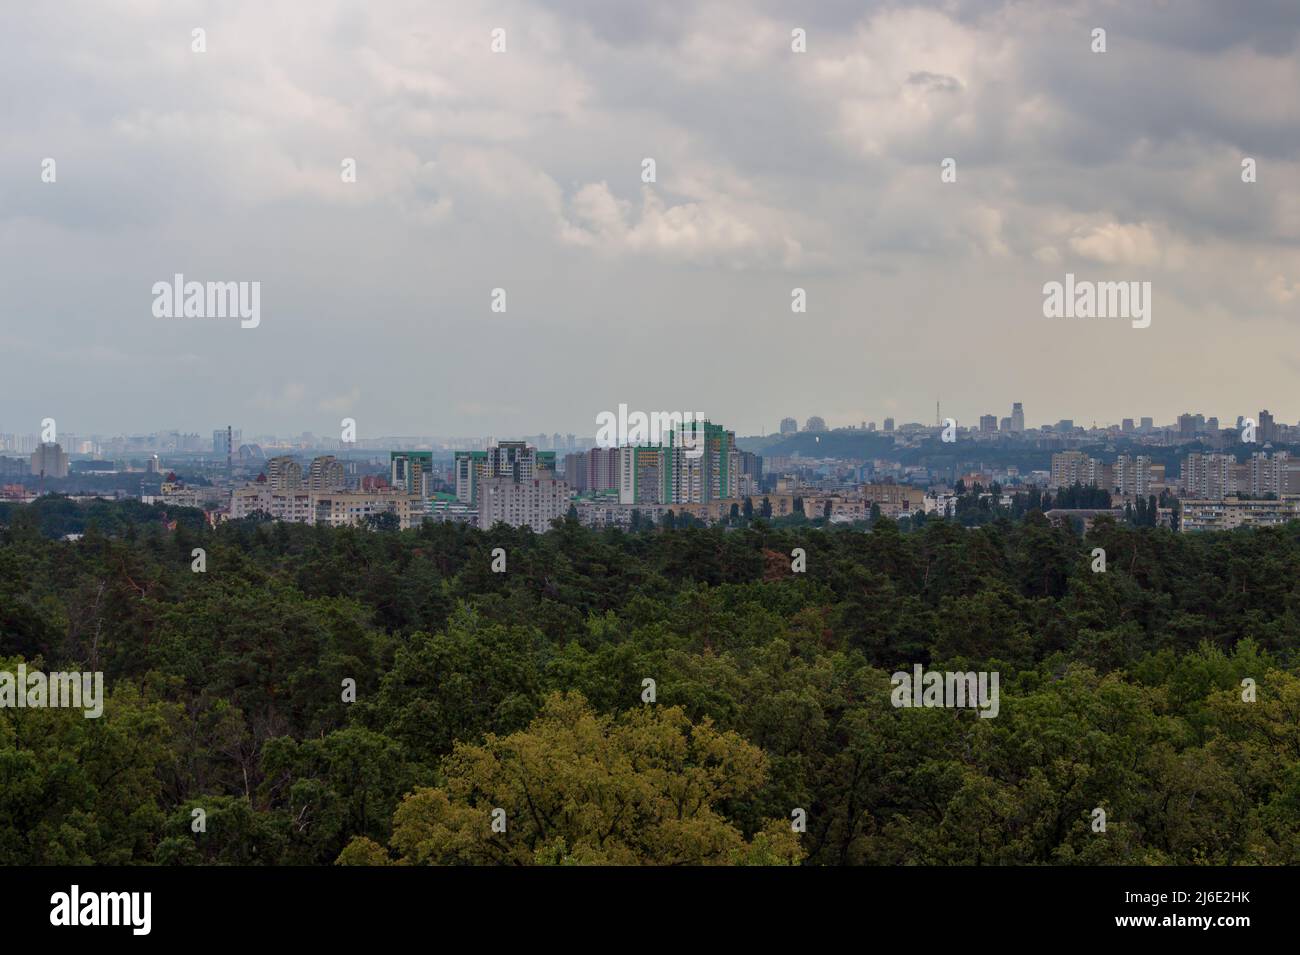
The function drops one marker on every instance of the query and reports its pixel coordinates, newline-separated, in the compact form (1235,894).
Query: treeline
(320,695)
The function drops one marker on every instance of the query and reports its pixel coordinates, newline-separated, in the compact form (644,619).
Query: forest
(280,694)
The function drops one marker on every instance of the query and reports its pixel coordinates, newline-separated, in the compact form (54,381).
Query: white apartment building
(1210,476)
(1075,467)
(530,502)
(1133,475)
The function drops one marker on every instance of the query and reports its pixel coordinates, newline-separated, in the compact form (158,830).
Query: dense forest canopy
(501,718)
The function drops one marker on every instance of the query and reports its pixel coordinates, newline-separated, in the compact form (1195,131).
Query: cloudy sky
(522,170)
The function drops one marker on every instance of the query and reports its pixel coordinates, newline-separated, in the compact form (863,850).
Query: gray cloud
(522,171)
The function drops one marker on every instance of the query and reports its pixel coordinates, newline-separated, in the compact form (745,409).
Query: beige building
(326,474)
(1224,514)
(334,508)
(283,473)
(49,460)
(895,500)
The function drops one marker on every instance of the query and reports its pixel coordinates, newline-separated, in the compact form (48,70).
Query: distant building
(642,477)
(988,424)
(575,471)
(894,500)
(283,473)
(1017,418)
(1132,475)
(49,460)
(815,423)
(512,459)
(1075,467)
(1228,513)
(1267,428)
(331,508)
(1213,476)
(327,474)
(602,469)
(789,426)
(225,441)
(528,502)
(1278,475)
(411,472)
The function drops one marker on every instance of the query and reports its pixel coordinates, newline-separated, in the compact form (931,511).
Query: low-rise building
(1222,514)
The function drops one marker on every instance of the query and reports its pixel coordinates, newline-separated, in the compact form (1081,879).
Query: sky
(523,170)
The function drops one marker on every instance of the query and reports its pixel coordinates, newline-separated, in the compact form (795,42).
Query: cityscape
(1201,472)
(649,443)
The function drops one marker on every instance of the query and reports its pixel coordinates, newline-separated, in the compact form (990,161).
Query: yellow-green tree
(579,788)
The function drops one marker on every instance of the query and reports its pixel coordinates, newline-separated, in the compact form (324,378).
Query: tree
(579,788)
(383,521)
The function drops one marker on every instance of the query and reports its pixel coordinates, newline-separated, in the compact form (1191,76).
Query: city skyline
(1029,423)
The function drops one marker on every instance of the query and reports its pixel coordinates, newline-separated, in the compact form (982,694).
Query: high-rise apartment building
(1212,477)
(283,473)
(1132,475)
(532,501)
(789,426)
(642,475)
(327,474)
(49,460)
(1277,475)
(702,463)
(602,469)
(1075,467)
(1017,417)
(988,424)
(509,459)
(575,471)
(411,472)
